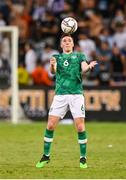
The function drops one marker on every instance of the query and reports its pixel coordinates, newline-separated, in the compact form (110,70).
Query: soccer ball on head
(69,25)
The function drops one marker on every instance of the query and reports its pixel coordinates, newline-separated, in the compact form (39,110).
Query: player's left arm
(86,67)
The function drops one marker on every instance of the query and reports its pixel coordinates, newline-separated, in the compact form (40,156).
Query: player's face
(67,44)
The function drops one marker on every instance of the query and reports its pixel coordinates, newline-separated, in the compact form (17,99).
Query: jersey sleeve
(82,57)
(55,56)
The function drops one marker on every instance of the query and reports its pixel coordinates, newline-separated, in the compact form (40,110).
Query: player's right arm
(53,65)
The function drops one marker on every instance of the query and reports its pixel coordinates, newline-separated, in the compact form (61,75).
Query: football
(69,25)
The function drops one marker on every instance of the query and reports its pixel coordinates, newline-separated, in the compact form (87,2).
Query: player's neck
(67,52)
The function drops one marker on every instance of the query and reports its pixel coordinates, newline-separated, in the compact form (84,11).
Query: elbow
(52,71)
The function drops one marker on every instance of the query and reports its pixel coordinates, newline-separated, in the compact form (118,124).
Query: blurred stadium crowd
(101,35)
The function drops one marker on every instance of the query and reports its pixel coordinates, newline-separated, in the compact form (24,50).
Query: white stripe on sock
(82,141)
(83,156)
(48,139)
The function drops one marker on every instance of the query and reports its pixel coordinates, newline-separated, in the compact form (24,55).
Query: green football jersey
(68,74)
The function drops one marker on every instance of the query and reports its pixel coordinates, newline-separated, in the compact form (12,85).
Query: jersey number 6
(65,63)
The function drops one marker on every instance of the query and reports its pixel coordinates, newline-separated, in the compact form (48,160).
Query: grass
(21,147)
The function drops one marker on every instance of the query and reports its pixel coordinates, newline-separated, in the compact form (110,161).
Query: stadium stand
(101,35)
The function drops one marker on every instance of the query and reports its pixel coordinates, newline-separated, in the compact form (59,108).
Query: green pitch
(21,146)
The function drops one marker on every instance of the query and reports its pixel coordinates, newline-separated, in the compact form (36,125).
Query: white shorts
(62,103)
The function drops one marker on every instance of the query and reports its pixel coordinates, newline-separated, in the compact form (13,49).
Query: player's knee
(50,126)
(80,128)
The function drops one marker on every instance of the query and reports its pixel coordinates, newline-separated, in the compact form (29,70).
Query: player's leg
(82,140)
(77,108)
(57,110)
(48,139)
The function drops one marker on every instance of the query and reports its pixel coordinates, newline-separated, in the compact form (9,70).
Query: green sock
(48,138)
(82,140)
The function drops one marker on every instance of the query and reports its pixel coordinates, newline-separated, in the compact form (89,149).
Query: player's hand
(92,64)
(52,61)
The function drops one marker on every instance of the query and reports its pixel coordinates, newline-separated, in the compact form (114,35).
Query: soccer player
(68,67)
